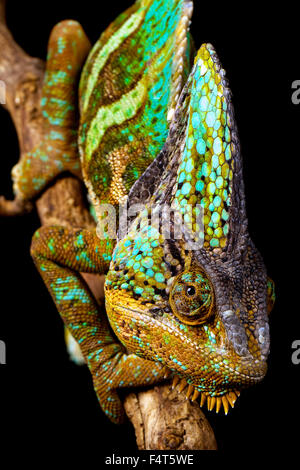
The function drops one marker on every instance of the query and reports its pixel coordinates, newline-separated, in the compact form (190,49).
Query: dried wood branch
(162,418)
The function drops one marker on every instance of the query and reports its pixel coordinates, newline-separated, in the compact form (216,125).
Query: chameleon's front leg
(57,150)
(58,253)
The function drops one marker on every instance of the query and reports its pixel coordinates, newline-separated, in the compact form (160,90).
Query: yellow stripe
(112,44)
(115,114)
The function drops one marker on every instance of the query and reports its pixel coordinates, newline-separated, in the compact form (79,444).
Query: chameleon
(146,122)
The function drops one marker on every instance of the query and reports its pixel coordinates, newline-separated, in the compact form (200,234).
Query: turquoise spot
(219,182)
(201,146)
(224,215)
(217,146)
(215,217)
(189,166)
(186,188)
(203,103)
(199,185)
(217,201)
(217,125)
(213,176)
(199,81)
(205,169)
(227,134)
(138,290)
(147,262)
(159,277)
(182,177)
(214,242)
(225,229)
(228,153)
(210,119)
(207,76)
(195,120)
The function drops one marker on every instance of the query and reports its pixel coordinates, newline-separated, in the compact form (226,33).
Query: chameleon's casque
(156,128)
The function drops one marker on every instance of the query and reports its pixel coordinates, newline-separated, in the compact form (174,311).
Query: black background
(47,401)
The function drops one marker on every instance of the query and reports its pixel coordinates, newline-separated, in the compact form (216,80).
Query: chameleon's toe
(14,207)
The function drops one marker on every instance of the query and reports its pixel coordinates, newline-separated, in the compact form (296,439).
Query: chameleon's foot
(15,207)
(122,371)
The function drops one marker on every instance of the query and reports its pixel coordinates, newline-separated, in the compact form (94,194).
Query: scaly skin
(194,304)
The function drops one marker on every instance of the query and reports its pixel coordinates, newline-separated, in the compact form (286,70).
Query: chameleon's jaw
(218,386)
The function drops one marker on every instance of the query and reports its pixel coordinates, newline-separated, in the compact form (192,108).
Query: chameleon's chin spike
(208,403)
(225,404)
(195,394)
(231,397)
(203,399)
(212,403)
(189,392)
(176,380)
(167,372)
(182,385)
(219,404)
(216,402)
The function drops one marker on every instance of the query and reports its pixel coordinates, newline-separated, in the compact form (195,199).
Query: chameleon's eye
(270,294)
(192,298)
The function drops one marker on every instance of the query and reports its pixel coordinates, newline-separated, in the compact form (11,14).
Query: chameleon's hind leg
(57,151)
(60,252)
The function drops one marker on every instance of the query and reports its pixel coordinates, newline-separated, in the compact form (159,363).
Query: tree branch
(162,418)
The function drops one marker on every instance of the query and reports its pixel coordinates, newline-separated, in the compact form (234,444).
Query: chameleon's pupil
(190,290)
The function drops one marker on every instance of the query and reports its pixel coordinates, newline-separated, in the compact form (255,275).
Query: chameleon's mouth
(227,400)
